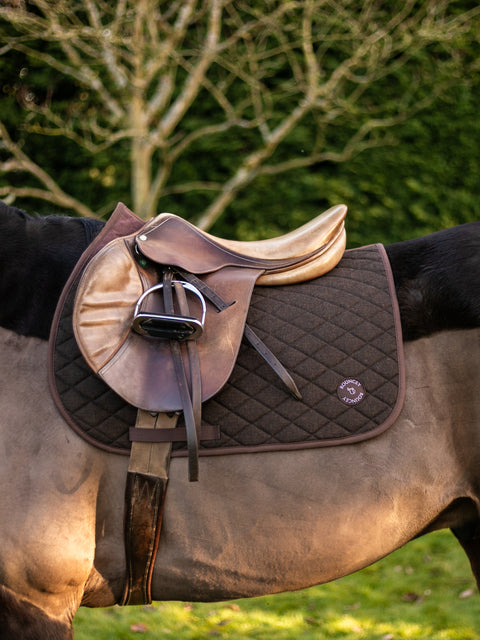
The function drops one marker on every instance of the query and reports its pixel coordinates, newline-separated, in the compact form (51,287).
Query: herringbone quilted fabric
(341,326)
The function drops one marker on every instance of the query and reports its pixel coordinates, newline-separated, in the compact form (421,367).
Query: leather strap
(272,360)
(207,432)
(248,333)
(191,394)
(145,492)
(190,390)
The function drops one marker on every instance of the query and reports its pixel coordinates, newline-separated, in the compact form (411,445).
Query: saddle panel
(143,369)
(107,294)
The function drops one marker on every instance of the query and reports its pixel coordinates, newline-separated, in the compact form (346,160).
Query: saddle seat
(303,254)
(159,315)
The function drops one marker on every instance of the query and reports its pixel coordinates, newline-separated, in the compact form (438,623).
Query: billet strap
(190,390)
(145,492)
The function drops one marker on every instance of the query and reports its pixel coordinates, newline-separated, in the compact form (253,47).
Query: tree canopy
(249,116)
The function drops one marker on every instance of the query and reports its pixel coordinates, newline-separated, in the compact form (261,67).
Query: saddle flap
(141,369)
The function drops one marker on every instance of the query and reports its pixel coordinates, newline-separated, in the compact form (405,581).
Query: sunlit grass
(422,592)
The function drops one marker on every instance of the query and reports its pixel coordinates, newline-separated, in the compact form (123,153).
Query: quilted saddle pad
(339,336)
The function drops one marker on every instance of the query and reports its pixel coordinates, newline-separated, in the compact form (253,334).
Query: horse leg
(21,619)
(469,538)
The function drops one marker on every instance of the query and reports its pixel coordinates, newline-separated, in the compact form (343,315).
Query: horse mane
(437,279)
(37,256)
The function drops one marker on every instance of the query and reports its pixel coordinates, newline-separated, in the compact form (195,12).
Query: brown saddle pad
(339,336)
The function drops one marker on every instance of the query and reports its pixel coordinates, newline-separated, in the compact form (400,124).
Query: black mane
(37,256)
(437,277)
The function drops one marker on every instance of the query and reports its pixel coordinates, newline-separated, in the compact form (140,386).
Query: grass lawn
(424,591)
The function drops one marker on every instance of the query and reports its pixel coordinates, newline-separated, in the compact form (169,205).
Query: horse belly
(282,522)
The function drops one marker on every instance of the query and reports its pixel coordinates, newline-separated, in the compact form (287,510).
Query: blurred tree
(251,89)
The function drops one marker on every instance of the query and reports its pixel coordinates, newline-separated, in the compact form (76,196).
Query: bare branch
(21,162)
(248,170)
(142,69)
(194,81)
(65,201)
(83,74)
(110,52)
(192,186)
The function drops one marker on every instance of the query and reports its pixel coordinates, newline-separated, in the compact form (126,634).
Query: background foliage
(426,180)
(418,177)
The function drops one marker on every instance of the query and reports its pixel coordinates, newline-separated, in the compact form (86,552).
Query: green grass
(425,591)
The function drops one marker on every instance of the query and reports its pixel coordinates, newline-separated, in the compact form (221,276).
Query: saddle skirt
(339,336)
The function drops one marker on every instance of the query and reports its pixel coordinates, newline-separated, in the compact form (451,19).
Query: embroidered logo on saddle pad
(351,391)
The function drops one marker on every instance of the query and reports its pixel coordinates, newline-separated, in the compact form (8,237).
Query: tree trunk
(141,158)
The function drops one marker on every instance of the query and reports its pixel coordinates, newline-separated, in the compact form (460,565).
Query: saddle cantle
(159,314)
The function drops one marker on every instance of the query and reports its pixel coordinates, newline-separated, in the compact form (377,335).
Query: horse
(254,524)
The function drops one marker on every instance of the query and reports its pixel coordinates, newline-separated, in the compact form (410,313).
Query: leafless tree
(266,67)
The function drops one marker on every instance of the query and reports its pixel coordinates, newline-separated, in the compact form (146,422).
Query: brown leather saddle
(160,314)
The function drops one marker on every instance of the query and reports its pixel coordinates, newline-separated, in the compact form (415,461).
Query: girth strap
(145,492)
(147,476)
